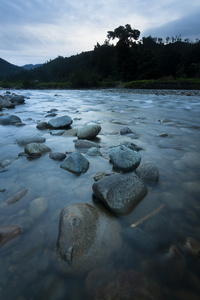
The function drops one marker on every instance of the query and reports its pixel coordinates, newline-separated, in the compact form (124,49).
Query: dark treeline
(128,59)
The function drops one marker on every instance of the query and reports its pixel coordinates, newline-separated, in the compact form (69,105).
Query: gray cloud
(36,30)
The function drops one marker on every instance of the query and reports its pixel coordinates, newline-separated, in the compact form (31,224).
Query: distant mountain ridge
(31,66)
(7,68)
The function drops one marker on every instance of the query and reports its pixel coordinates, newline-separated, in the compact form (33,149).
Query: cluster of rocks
(85,229)
(10,100)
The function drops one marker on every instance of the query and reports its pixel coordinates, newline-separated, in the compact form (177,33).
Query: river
(166,124)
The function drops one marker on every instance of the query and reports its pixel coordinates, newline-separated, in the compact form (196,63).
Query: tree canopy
(125,34)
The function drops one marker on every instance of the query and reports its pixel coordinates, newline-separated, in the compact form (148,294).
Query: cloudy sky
(35,31)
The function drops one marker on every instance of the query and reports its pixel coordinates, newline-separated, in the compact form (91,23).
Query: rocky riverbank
(101,233)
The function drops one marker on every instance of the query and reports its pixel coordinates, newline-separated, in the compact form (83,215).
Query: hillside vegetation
(138,63)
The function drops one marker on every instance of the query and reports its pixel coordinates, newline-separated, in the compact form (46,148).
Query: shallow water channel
(166,124)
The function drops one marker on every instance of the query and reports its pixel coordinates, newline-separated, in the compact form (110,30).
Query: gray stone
(131,146)
(42,126)
(88,132)
(94,151)
(88,235)
(125,130)
(30,139)
(57,132)
(86,144)
(57,155)
(6,103)
(17,99)
(16,197)
(120,192)
(148,172)
(124,159)
(9,120)
(60,122)
(75,163)
(71,132)
(36,149)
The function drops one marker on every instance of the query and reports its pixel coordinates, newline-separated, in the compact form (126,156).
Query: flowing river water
(166,124)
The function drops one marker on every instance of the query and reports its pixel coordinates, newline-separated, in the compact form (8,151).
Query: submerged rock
(120,193)
(8,232)
(88,132)
(38,207)
(36,149)
(75,163)
(94,151)
(42,126)
(16,197)
(9,120)
(87,237)
(17,100)
(124,159)
(60,122)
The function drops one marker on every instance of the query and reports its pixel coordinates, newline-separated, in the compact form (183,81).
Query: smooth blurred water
(27,268)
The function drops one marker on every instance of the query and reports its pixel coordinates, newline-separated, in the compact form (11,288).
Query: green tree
(125,34)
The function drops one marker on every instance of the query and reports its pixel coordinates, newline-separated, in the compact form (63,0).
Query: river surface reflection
(166,124)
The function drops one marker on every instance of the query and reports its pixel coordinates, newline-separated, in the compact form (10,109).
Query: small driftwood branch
(148,216)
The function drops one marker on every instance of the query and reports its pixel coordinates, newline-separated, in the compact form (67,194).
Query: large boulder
(88,132)
(30,139)
(87,237)
(120,192)
(124,159)
(9,120)
(36,149)
(60,122)
(75,163)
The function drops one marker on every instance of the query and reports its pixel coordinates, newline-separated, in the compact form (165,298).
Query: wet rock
(17,100)
(36,149)
(8,233)
(9,120)
(100,175)
(52,110)
(148,172)
(125,130)
(88,132)
(51,115)
(71,132)
(16,197)
(38,207)
(30,139)
(60,122)
(124,159)
(57,155)
(131,146)
(6,103)
(84,230)
(120,193)
(129,285)
(94,151)
(75,163)
(42,126)
(86,144)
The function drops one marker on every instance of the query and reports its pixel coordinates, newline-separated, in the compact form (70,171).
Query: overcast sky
(35,31)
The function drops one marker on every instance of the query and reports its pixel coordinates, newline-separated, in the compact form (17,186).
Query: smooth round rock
(75,163)
(42,126)
(9,120)
(87,238)
(57,155)
(120,192)
(88,132)
(60,122)
(94,151)
(148,172)
(17,99)
(36,149)
(30,139)
(124,159)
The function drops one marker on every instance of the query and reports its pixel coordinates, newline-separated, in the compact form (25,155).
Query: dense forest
(122,58)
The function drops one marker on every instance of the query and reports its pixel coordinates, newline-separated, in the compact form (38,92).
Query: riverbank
(176,84)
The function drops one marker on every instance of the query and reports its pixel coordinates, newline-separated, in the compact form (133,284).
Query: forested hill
(7,68)
(129,59)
